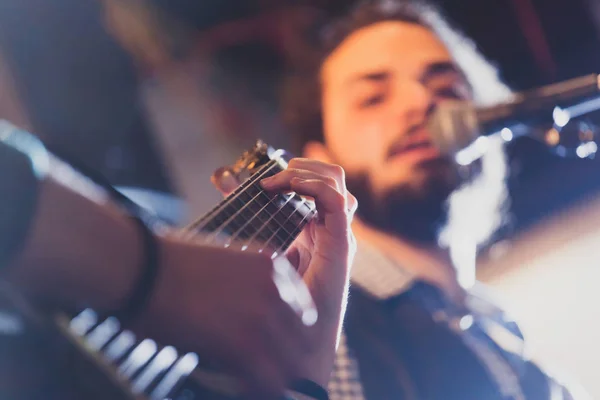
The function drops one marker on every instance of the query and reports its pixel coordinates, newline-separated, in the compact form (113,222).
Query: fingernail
(267,181)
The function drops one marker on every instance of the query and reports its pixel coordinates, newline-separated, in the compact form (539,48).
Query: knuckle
(338,200)
(282,175)
(331,181)
(292,171)
(352,202)
(294,162)
(338,171)
(323,184)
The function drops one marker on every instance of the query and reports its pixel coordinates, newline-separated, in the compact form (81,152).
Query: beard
(415,211)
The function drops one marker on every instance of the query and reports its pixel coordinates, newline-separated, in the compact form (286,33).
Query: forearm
(333,288)
(78,250)
(60,238)
(320,362)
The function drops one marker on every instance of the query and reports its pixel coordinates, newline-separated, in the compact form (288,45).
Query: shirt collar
(382,278)
(376,274)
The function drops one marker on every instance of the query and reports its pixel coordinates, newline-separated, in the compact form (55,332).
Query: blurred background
(156,94)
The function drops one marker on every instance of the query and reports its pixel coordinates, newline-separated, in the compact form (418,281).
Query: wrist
(79,253)
(137,299)
(159,318)
(330,295)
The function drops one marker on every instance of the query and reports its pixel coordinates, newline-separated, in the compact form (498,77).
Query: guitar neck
(248,216)
(251,216)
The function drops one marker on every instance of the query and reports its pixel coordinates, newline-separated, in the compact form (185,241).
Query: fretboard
(250,215)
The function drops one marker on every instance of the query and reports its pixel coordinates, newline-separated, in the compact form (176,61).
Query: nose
(415,102)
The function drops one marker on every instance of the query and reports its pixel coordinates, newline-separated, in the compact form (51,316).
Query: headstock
(255,158)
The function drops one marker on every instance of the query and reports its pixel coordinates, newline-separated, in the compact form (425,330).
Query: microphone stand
(553,115)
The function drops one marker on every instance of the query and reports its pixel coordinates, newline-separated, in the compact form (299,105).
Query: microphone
(455,125)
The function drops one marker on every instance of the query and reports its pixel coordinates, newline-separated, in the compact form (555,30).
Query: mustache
(415,137)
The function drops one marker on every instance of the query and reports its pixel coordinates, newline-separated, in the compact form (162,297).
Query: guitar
(86,357)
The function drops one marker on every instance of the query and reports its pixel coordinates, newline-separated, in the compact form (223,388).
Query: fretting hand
(322,253)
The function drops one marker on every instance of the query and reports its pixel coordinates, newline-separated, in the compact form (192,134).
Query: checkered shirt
(383,279)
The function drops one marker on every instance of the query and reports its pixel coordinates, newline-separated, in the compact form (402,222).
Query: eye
(372,100)
(449,93)
(448,86)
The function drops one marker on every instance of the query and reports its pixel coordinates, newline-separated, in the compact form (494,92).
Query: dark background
(79,84)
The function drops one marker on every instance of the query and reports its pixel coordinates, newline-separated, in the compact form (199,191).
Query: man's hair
(302,91)
(302,111)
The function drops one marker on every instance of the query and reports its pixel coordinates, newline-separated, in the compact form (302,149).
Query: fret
(253,190)
(254,207)
(281,219)
(297,231)
(202,224)
(236,223)
(264,227)
(250,226)
(262,236)
(250,214)
(290,221)
(279,236)
(216,222)
(268,227)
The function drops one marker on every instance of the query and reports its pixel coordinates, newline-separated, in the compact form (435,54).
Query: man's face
(378,89)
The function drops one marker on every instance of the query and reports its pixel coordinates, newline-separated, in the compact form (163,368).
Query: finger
(281,181)
(330,205)
(351,203)
(224,180)
(335,171)
(327,198)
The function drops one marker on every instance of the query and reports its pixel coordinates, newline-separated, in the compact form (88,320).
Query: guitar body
(41,359)
(53,356)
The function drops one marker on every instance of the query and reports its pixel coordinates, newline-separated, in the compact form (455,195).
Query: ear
(317,151)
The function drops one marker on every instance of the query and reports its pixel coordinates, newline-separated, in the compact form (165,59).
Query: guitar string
(198,225)
(219,230)
(262,225)
(231,219)
(292,237)
(289,236)
(219,210)
(264,210)
(229,201)
(211,215)
(278,229)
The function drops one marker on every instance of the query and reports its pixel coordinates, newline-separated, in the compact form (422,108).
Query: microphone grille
(453,126)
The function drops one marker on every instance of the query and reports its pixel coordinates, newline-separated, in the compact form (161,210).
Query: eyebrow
(431,71)
(440,68)
(374,77)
